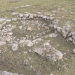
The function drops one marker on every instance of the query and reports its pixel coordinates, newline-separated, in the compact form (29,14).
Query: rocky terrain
(36,44)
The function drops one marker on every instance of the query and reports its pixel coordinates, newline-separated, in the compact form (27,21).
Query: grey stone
(8,20)
(59,29)
(53,35)
(26,62)
(53,55)
(28,43)
(70,39)
(21,15)
(64,32)
(39,51)
(14,13)
(14,19)
(73,35)
(73,41)
(7,73)
(14,47)
(74,50)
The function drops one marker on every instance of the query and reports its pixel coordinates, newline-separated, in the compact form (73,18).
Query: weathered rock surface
(7,73)
(53,55)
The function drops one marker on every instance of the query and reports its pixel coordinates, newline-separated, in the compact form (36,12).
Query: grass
(13,61)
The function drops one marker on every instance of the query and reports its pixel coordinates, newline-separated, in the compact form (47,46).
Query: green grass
(13,61)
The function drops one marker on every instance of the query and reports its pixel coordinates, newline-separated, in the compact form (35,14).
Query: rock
(27,5)
(8,20)
(20,27)
(53,55)
(14,19)
(29,43)
(22,6)
(74,50)
(59,29)
(22,43)
(64,32)
(14,47)
(7,39)
(53,35)
(73,35)
(46,44)
(29,28)
(51,18)
(26,62)
(31,16)
(70,39)
(26,15)
(2,19)
(45,17)
(39,51)
(37,40)
(7,73)
(21,15)
(73,41)
(2,43)
(10,33)
(14,13)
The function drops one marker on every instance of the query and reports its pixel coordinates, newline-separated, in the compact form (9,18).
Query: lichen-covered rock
(53,55)
(14,47)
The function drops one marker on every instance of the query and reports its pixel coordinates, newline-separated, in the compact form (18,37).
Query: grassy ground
(65,11)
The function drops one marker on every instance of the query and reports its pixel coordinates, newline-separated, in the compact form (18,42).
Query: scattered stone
(29,28)
(59,29)
(31,16)
(26,15)
(38,51)
(29,43)
(37,40)
(7,73)
(14,19)
(73,35)
(20,27)
(53,55)
(2,43)
(74,50)
(27,5)
(22,6)
(21,15)
(46,44)
(70,39)
(53,35)
(8,20)
(14,47)
(14,13)
(10,33)
(26,62)
(73,41)
(51,18)
(7,39)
